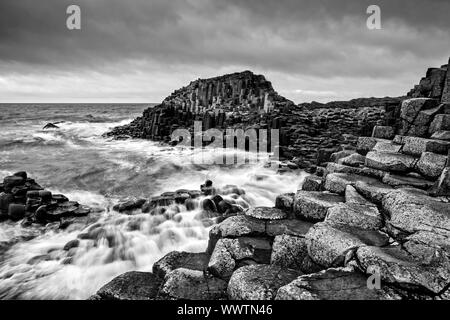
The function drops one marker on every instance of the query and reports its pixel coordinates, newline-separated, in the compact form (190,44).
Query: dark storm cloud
(320,39)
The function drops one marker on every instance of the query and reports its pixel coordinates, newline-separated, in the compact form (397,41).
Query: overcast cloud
(142,50)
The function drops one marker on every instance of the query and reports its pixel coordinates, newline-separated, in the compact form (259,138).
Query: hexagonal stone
(431,164)
(395,162)
(389,147)
(328,244)
(131,286)
(312,183)
(365,144)
(333,284)
(396,266)
(383,132)
(416,146)
(374,191)
(440,122)
(259,282)
(353,197)
(411,107)
(355,215)
(313,206)
(293,227)
(289,252)
(337,182)
(266,213)
(176,259)
(285,202)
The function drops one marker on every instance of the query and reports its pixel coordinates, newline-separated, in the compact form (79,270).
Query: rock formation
(380,210)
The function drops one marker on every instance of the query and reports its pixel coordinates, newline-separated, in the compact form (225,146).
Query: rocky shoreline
(379,210)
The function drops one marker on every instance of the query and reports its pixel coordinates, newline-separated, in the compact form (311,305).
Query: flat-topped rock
(333,284)
(411,107)
(416,146)
(337,182)
(373,191)
(393,162)
(312,183)
(431,164)
(440,122)
(259,282)
(383,132)
(266,213)
(441,135)
(328,244)
(389,147)
(131,286)
(405,181)
(293,227)
(353,160)
(355,215)
(396,266)
(412,211)
(187,284)
(285,202)
(313,206)
(230,254)
(366,144)
(177,259)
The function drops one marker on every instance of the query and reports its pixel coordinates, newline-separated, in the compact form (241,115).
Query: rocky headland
(377,205)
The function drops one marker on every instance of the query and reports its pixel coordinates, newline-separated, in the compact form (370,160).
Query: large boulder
(355,215)
(131,286)
(354,160)
(259,282)
(353,197)
(394,162)
(333,284)
(187,284)
(374,191)
(411,117)
(366,144)
(440,122)
(389,147)
(285,202)
(176,259)
(292,227)
(329,244)
(312,183)
(396,266)
(313,206)
(289,252)
(230,254)
(383,132)
(337,182)
(431,164)
(407,181)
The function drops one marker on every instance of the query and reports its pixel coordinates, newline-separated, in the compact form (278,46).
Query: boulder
(312,183)
(313,206)
(366,144)
(333,284)
(177,259)
(410,108)
(394,162)
(289,252)
(293,227)
(355,215)
(16,211)
(266,213)
(442,186)
(187,284)
(49,126)
(354,160)
(335,157)
(396,266)
(131,286)
(431,164)
(259,282)
(383,132)
(285,202)
(389,147)
(230,254)
(373,191)
(329,244)
(5,200)
(416,146)
(337,182)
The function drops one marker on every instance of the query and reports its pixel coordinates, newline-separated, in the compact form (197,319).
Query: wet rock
(230,254)
(394,162)
(131,286)
(187,284)
(71,244)
(333,284)
(12,181)
(259,282)
(130,205)
(431,165)
(395,266)
(328,244)
(266,213)
(236,226)
(16,211)
(312,183)
(285,202)
(176,259)
(355,215)
(49,126)
(314,205)
(5,200)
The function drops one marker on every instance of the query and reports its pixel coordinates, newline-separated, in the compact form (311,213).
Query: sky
(142,50)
